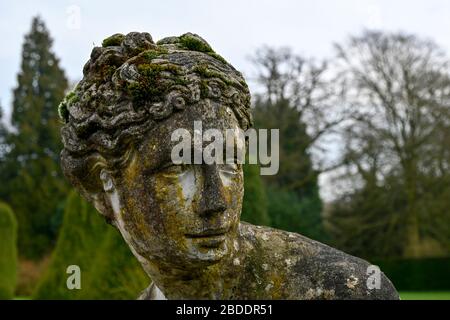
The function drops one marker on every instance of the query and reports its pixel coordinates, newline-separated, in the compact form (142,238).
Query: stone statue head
(117,131)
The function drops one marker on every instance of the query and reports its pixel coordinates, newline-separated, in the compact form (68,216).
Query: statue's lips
(210,233)
(211,238)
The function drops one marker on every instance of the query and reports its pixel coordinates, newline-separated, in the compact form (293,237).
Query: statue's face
(184,214)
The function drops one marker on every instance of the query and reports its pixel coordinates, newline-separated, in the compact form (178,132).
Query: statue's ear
(85,175)
(106,199)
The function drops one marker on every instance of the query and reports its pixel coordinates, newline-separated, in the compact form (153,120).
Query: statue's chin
(208,251)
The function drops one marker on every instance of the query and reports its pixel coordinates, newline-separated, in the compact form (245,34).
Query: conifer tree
(32,181)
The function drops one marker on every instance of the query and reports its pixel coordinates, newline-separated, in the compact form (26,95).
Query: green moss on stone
(72,97)
(108,72)
(204,72)
(63,112)
(149,87)
(114,40)
(203,88)
(217,57)
(154,53)
(69,99)
(193,43)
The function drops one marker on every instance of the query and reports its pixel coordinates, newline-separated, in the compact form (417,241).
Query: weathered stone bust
(183,221)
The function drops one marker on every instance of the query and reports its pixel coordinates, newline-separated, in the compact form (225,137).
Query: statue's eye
(174,170)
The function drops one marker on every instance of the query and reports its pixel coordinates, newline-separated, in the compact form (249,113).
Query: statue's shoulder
(277,241)
(312,270)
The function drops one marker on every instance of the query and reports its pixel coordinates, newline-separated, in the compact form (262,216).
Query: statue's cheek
(187,188)
(174,196)
(235,190)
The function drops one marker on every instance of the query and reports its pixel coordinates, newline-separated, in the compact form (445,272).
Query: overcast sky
(234,28)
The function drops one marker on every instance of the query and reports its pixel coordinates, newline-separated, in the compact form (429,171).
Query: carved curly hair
(131,83)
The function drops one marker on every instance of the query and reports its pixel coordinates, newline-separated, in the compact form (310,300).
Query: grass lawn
(443,295)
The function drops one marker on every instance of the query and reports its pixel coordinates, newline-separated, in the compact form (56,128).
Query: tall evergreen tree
(32,181)
(3,135)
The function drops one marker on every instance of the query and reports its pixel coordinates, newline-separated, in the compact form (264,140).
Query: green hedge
(108,269)
(8,252)
(418,274)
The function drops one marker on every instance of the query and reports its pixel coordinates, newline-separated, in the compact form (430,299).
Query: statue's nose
(213,199)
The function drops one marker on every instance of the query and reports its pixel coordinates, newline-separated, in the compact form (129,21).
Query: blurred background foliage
(109,269)
(32,181)
(382,104)
(8,252)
